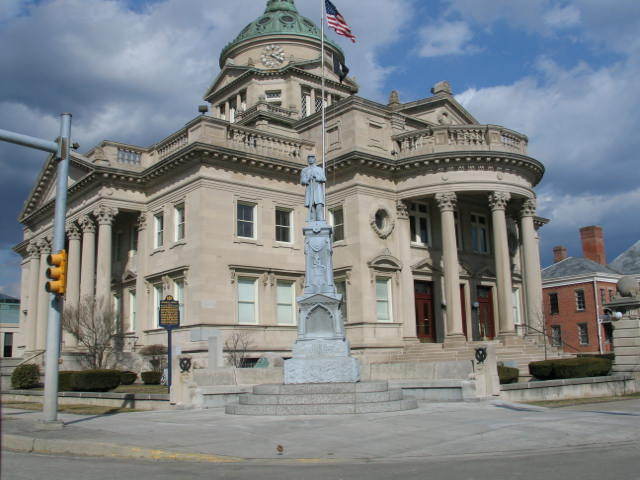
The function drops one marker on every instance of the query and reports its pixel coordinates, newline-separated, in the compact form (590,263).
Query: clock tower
(275,62)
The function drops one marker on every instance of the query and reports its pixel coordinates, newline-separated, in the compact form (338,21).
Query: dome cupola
(281,17)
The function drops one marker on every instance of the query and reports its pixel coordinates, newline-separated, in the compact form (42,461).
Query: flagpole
(324,169)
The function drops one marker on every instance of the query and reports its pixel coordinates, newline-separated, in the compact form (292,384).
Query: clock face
(272,56)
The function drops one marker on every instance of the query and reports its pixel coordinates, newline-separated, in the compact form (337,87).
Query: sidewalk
(433,430)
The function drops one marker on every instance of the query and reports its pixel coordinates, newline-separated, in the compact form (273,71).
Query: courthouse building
(434,214)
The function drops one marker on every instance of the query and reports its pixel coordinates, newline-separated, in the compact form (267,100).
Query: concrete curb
(25,444)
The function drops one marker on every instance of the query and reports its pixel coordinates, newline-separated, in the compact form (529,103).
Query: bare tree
(236,347)
(93,325)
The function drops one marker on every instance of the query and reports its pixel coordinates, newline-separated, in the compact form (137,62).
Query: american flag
(337,22)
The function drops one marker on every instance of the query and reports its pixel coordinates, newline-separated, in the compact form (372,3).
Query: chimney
(593,244)
(559,253)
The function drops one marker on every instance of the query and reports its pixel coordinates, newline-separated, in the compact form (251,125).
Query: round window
(382,223)
(264,20)
(287,19)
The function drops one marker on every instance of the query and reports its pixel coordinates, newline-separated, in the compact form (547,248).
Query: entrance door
(463,305)
(425,320)
(486,321)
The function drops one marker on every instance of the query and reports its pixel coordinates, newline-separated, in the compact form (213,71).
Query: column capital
(105,215)
(141,222)
(87,224)
(73,231)
(447,201)
(402,210)
(528,208)
(33,250)
(499,200)
(44,244)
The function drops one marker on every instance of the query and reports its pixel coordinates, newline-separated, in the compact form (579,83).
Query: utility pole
(61,149)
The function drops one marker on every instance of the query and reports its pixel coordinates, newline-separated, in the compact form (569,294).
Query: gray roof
(7,298)
(572,266)
(628,262)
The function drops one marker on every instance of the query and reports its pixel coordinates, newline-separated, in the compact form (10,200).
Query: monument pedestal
(321,361)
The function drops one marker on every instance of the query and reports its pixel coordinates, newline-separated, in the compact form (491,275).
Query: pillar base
(455,340)
(411,340)
(510,338)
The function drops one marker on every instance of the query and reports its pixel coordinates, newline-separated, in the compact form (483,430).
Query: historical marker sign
(169,313)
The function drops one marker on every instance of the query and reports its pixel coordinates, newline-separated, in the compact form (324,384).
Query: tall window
(580,301)
(118,243)
(554,306)
(116,311)
(306,102)
(603,296)
(479,233)
(247,296)
(459,240)
(556,335)
(157,297)
(133,310)
(158,221)
(583,333)
(341,286)
(178,293)
(283,225)
(383,299)
(517,318)
(336,218)
(419,223)
(180,220)
(611,295)
(286,300)
(246,214)
(133,240)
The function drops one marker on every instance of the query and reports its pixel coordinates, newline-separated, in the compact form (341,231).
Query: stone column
(227,111)
(43,296)
(141,262)
(531,261)
(34,289)
(407,289)
(498,203)
(72,298)
(447,204)
(104,216)
(88,269)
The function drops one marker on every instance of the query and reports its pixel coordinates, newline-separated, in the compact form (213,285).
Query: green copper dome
(281,17)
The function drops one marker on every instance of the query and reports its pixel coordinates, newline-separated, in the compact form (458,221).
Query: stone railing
(459,138)
(173,144)
(262,143)
(129,156)
(267,107)
(219,133)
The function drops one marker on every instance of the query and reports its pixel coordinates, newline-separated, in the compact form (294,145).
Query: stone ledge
(564,382)
(106,395)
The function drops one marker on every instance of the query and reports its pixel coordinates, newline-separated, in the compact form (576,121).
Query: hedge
(609,356)
(25,376)
(65,380)
(95,380)
(151,377)
(580,367)
(128,378)
(508,374)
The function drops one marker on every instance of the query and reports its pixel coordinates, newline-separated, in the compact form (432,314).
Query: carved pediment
(385,261)
(486,272)
(426,266)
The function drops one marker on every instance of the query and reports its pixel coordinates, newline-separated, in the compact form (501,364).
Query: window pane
(424,232)
(341,287)
(285,314)
(283,218)
(285,292)
(246,289)
(382,310)
(246,313)
(381,289)
(245,212)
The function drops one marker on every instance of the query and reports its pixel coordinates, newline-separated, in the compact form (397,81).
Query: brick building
(576,288)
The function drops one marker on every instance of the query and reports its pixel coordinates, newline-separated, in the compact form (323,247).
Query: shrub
(95,380)
(157,353)
(609,356)
(508,374)
(25,376)
(579,367)
(65,380)
(128,378)
(151,377)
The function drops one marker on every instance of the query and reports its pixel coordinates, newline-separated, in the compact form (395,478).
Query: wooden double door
(425,318)
(486,322)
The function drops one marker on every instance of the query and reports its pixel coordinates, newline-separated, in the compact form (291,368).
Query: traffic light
(57,273)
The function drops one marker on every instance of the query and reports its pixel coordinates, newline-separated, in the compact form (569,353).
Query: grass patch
(136,388)
(76,409)
(581,401)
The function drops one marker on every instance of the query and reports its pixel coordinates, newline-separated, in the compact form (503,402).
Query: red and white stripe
(337,22)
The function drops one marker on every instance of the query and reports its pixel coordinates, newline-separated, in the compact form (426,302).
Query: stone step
(320,388)
(322,409)
(321,398)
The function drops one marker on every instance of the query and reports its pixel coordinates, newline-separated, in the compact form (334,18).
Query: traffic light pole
(61,149)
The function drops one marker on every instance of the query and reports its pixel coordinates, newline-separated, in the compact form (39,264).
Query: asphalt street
(585,464)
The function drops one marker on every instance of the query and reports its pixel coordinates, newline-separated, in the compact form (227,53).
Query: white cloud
(562,17)
(445,38)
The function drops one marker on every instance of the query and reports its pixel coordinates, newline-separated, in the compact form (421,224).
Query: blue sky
(563,72)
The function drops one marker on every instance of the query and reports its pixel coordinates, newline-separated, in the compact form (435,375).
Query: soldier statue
(313,177)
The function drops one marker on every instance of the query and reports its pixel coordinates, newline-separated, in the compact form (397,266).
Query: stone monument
(625,312)
(321,353)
